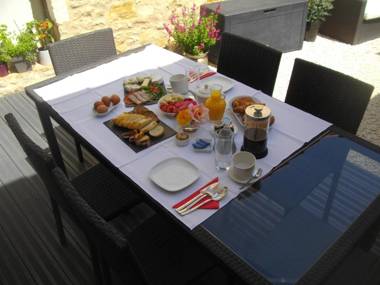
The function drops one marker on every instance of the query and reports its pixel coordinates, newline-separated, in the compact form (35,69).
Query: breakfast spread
(106,104)
(142,124)
(143,90)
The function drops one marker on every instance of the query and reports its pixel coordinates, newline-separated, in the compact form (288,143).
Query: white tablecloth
(74,96)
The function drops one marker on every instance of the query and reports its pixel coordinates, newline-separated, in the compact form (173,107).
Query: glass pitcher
(256,120)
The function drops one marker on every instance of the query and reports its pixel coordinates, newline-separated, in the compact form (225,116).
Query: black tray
(169,132)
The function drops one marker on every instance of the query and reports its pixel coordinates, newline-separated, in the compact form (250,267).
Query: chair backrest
(112,245)
(328,94)
(249,62)
(78,51)
(41,160)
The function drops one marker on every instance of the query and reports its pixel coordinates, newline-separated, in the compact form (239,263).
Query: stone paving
(360,61)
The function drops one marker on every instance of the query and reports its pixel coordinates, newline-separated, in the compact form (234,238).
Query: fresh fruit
(106,100)
(115,99)
(176,106)
(101,109)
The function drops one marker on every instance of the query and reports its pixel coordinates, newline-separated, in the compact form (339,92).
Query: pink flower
(168,30)
(201,46)
(203,12)
(218,9)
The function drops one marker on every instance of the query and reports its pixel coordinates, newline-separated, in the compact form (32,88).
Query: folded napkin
(207,74)
(210,205)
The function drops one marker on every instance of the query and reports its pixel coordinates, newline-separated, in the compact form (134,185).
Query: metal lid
(258,112)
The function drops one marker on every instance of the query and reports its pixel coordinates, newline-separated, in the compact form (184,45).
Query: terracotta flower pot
(3,69)
(312,30)
(201,58)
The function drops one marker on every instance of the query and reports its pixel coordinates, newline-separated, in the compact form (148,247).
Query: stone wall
(134,22)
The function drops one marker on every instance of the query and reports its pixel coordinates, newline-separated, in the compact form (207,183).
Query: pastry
(240,104)
(131,121)
(106,100)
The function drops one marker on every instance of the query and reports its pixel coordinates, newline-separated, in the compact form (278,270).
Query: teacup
(243,164)
(179,83)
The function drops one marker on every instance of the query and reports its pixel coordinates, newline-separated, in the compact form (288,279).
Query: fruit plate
(174,174)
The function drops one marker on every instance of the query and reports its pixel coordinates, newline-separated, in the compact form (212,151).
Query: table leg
(50,136)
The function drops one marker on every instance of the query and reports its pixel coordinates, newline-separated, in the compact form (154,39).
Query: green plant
(23,45)
(5,42)
(193,32)
(318,10)
(43,32)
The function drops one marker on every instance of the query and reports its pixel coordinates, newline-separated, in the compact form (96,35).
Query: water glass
(223,148)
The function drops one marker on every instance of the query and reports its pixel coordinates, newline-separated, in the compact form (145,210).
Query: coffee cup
(179,83)
(243,164)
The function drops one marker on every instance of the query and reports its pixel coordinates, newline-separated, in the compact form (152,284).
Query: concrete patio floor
(359,61)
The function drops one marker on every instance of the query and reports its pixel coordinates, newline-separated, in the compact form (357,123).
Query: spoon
(216,194)
(253,178)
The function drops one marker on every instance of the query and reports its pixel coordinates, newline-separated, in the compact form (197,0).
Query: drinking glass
(223,148)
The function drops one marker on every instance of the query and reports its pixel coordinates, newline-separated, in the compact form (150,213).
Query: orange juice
(215,104)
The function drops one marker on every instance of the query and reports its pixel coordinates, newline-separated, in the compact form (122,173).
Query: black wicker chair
(249,62)
(79,51)
(152,253)
(99,187)
(359,267)
(328,94)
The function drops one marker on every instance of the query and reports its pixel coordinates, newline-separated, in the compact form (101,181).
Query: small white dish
(110,108)
(236,179)
(174,174)
(225,82)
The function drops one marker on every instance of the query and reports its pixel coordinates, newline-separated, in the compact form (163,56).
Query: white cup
(179,83)
(243,164)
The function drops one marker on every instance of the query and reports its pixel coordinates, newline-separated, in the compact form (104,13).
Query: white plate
(174,174)
(226,83)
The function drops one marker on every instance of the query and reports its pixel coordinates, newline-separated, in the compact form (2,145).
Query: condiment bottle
(216,104)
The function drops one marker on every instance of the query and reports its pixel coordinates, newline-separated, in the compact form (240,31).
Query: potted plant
(22,50)
(43,31)
(317,10)
(193,32)
(4,56)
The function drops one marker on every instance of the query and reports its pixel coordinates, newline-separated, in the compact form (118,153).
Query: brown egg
(101,108)
(97,103)
(115,99)
(106,100)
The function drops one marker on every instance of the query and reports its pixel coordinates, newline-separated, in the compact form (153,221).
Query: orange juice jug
(215,104)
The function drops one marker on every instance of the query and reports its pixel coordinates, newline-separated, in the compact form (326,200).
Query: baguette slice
(157,131)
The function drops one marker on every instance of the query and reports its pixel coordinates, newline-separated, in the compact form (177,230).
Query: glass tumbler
(223,148)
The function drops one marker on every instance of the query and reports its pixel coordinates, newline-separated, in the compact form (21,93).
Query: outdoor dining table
(317,198)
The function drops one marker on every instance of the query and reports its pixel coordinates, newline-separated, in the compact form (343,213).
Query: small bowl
(182,142)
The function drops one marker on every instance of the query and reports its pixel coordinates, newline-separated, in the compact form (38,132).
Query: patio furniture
(82,50)
(153,253)
(249,62)
(279,24)
(279,230)
(359,267)
(352,22)
(98,186)
(328,94)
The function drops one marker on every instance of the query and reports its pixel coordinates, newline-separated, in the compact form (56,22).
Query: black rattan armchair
(328,94)
(99,187)
(152,253)
(249,62)
(79,51)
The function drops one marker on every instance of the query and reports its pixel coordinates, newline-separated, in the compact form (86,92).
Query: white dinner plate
(174,174)
(226,83)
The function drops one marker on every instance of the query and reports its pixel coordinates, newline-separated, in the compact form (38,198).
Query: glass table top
(282,225)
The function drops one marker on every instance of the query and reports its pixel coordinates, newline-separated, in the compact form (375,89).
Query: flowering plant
(43,32)
(193,32)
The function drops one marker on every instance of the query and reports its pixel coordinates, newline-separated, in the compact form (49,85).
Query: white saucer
(238,180)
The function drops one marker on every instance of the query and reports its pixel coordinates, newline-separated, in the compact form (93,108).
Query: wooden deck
(29,247)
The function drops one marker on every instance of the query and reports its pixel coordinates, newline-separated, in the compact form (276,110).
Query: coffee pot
(256,121)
